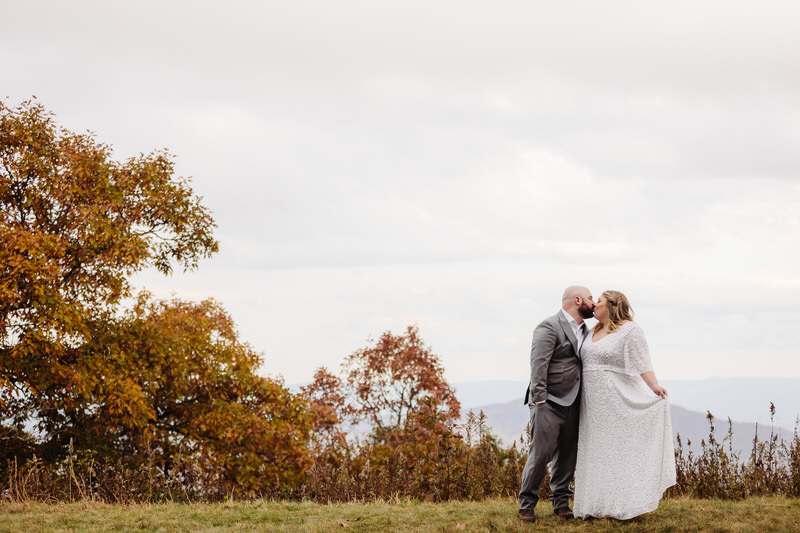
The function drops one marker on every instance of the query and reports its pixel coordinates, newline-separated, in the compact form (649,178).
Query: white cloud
(455,165)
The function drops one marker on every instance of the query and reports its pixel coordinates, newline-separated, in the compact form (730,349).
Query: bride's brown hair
(618,309)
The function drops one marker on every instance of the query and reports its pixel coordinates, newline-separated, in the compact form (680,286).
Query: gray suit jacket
(555,363)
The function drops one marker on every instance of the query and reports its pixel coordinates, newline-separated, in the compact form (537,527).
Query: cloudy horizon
(455,165)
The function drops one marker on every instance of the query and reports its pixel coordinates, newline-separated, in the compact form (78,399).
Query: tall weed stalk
(772,468)
(428,459)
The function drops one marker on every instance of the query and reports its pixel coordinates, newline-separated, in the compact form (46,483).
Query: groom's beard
(585,311)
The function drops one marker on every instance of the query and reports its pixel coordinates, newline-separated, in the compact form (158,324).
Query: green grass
(750,515)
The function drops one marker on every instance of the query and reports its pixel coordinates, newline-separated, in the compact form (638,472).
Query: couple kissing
(598,413)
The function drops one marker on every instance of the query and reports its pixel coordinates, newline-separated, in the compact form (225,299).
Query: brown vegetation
(773,467)
(428,460)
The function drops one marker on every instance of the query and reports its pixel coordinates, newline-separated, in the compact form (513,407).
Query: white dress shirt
(578,329)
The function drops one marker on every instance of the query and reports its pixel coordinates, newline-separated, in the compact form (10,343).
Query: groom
(553,397)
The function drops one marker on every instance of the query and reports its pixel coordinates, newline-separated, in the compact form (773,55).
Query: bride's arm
(652,382)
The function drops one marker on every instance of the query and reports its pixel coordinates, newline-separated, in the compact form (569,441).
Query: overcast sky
(455,165)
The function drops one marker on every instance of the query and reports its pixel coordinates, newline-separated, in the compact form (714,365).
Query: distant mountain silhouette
(745,400)
(508,421)
(741,399)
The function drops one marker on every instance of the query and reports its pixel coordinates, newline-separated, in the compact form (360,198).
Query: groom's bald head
(578,302)
(570,293)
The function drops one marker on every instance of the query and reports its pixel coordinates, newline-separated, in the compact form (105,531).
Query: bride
(626,458)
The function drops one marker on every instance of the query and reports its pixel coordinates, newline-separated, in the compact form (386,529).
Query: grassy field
(754,514)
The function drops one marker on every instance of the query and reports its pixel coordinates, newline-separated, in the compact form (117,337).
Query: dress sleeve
(636,353)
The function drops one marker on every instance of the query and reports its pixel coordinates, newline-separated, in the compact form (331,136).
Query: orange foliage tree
(171,379)
(383,385)
(415,448)
(166,377)
(330,410)
(389,380)
(74,225)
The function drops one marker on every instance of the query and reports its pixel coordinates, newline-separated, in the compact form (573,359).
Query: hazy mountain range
(745,400)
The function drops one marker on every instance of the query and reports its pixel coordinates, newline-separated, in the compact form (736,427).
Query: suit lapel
(568,332)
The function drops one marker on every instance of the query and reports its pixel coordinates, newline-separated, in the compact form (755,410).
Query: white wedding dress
(626,458)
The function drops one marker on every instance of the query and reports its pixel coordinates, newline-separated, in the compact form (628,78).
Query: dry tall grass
(717,471)
(444,463)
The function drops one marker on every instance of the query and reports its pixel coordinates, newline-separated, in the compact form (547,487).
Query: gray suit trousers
(554,440)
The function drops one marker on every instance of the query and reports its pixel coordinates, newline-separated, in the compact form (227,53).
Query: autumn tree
(388,380)
(330,409)
(171,379)
(75,224)
(396,387)
(382,385)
